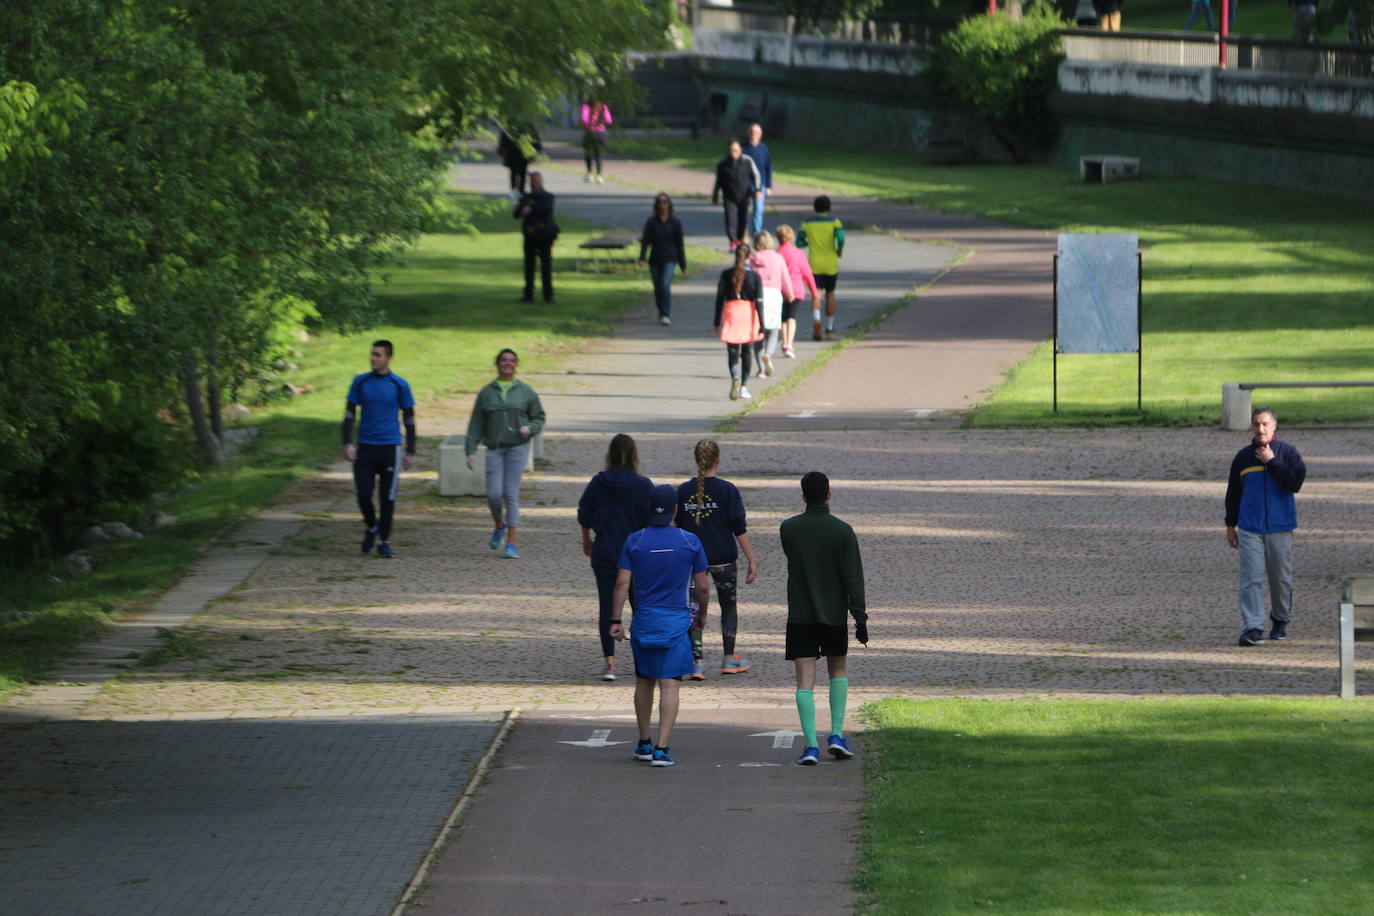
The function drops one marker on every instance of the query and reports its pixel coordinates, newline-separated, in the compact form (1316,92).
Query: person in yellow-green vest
(505,418)
(823,237)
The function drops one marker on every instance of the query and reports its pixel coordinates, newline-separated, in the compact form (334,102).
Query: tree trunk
(213,392)
(209,443)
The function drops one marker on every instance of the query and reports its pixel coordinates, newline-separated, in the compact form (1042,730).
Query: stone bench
(1236,399)
(1104,169)
(1357,625)
(454,477)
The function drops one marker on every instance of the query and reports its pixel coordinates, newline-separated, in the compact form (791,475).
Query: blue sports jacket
(1259,497)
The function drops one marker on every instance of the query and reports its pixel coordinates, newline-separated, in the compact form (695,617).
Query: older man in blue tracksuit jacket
(1260,517)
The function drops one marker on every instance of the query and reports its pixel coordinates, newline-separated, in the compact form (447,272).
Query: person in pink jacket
(777,289)
(596,117)
(803,280)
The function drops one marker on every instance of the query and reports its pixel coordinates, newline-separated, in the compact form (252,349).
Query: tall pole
(1225,31)
(992,7)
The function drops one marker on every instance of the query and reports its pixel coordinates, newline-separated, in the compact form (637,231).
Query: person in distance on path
(663,561)
(825,585)
(1261,514)
(711,508)
(535,211)
(823,235)
(758,151)
(662,241)
(380,393)
(739,305)
(735,175)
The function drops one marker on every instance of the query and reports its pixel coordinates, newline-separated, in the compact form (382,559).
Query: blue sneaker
(511,552)
(1278,629)
(810,757)
(661,758)
(644,750)
(384,550)
(1252,638)
(839,748)
(369,539)
(496,537)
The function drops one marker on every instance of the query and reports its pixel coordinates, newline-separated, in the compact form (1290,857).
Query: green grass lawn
(1241,282)
(1268,19)
(449,309)
(1204,805)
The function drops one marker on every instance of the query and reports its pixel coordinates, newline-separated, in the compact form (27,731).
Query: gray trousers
(505,467)
(1265,556)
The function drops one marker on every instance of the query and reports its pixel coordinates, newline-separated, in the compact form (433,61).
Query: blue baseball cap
(662,502)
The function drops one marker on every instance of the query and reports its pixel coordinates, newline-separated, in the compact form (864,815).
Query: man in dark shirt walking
(825,585)
(540,230)
(736,177)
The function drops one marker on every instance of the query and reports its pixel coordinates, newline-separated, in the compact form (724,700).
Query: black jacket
(664,239)
(734,178)
(752,288)
(538,225)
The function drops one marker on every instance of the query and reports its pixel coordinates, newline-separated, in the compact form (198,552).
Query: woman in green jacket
(505,418)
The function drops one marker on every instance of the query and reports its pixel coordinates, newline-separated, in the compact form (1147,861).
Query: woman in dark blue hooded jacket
(614,505)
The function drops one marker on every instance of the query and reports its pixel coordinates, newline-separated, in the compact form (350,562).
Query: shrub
(1001,70)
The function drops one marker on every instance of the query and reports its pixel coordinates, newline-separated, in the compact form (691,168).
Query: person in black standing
(736,177)
(662,241)
(536,211)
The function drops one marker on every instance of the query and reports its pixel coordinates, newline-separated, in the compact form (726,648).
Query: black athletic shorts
(827,282)
(812,640)
(789,309)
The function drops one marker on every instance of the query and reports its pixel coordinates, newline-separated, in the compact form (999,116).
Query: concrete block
(1235,406)
(1104,169)
(454,477)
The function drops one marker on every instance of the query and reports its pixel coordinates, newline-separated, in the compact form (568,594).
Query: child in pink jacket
(596,117)
(803,280)
(777,289)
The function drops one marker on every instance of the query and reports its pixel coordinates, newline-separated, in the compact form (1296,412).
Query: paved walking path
(999,563)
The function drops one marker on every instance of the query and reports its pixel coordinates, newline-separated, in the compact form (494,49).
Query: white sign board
(1098,292)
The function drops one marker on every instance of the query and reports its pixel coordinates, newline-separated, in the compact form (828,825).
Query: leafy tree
(1001,70)
(184,183)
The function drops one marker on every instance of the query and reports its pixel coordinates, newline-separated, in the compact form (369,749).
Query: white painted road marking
(804,415)
(760,764)
(564,716)
(598,739)
(781,737)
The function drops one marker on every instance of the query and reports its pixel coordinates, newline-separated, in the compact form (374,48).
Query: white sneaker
(744,393)
(587,178)
(767,365)
(787,351)
(600,179)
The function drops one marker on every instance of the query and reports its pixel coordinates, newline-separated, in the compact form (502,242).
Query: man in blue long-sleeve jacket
(1260,517)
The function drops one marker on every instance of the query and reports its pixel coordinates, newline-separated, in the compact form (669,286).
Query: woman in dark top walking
(711,508)
(662,241)
(739,298)
(614,505)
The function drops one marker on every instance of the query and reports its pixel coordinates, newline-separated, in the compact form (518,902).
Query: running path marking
(781,738)
(598,739)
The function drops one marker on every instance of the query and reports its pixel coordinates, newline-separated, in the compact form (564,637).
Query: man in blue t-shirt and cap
(664,562)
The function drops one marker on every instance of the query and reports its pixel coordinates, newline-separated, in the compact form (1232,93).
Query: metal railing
(1172,49)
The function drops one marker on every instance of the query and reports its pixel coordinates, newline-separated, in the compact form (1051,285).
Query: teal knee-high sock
(839,696)
(806,711)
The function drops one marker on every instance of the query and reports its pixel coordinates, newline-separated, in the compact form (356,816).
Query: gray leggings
(505,467)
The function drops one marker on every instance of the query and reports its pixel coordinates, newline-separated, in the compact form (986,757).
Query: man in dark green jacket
(825,585)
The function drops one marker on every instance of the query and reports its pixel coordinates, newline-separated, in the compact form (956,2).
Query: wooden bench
(1236,399)
(1357,625)
(611,244)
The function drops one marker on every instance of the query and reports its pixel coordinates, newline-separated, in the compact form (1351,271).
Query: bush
(1001,70)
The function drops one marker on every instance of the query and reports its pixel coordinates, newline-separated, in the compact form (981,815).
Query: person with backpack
(739,297)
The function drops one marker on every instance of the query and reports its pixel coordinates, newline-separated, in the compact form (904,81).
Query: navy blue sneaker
(384,550)
(644,750)
(369,538)
(810,757)
(661,758)
(839,748)
(1252,638)
(1278,629)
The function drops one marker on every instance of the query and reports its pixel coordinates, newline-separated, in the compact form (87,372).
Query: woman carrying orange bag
(739,297)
